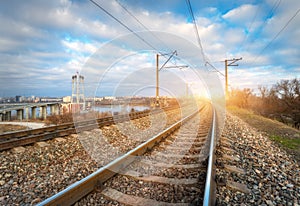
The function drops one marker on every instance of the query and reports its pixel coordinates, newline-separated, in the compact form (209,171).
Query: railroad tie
(163,180)
(134,200)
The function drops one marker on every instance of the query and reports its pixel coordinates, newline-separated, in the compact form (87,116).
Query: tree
(289,93)
(282,101)
(240,97)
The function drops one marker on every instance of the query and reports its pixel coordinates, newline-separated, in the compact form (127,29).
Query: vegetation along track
(13,139)
(170,168)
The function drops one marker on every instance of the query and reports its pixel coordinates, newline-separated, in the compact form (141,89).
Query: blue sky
(44,43)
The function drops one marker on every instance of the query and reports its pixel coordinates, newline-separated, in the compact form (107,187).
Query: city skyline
(44,43)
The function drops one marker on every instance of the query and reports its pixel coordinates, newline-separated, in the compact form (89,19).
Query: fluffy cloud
(241,15)
(49,41)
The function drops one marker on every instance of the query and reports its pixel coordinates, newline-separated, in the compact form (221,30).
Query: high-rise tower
(78,100)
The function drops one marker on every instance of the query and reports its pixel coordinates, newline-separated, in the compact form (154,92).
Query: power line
(250,27)
(214,68)
(275,37)
(196,29)
(120,22)
(124,25)
(271,13)
(204,58)
(133,16)
(274,8)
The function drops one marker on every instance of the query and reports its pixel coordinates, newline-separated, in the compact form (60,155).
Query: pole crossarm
(173,53)
(158,69)
(179,66)
(232,61)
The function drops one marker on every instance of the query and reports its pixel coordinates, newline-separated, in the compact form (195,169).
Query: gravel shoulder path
(31,125)
(5,128)
(284,136)
(271,174)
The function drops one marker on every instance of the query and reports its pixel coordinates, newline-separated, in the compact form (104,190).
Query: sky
(44,43)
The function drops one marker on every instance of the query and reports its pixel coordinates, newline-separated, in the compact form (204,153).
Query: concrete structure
(26,113)
(5,116)
(33,112)
(78,99)
(20,114)
(22,110)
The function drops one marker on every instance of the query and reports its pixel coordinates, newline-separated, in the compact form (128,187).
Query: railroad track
(171,168)
(14,139)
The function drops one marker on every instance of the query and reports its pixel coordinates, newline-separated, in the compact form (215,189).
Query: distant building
(19,98)
(50,99)
(37,99)
(67,99)
(109,98)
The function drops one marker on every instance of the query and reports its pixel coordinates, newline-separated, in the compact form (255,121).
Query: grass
(285,136)
(286,142)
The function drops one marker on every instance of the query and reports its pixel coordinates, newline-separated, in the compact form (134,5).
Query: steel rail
(79,189)
(25,137)
(210,184)
(23,133)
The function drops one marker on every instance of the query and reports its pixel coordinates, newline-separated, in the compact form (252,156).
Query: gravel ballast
(272,176)
(33,173)
(40,171)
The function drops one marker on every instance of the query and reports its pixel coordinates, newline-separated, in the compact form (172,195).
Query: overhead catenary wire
(274,8)
(275,37)
(143,25)
(270,14)
(214,68)
(146,42)
(204,58)
(249,29)
(124,25)
(196,29)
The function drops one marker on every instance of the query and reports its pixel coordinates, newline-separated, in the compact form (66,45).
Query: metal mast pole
(231,63)
(226,78)
(157,79)
(160,68)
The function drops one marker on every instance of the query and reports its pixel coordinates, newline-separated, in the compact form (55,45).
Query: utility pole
(229,62)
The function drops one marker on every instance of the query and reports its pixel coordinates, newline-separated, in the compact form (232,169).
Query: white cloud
(33,35)
(81,47)
(241,15)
